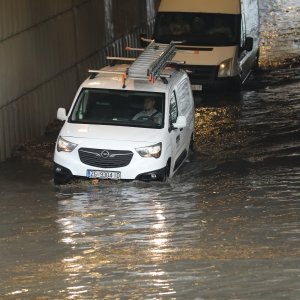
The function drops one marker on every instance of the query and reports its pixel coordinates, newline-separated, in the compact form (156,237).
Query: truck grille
(203,73)
(103,158)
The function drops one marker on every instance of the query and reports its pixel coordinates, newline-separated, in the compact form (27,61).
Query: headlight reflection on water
(159,241)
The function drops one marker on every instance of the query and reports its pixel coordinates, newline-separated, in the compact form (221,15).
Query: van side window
(184,97)
(173,108)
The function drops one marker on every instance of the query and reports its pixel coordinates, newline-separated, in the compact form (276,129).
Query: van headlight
(150,151)
(225,68)
(64,145)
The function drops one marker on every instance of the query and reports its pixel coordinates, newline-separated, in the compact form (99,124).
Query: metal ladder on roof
(151,62)
(148,65)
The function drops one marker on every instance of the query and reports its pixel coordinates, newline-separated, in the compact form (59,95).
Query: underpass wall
(46,48)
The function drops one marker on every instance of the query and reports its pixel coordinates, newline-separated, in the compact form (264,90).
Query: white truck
(217,39)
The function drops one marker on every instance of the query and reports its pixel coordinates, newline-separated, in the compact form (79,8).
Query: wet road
(226,227)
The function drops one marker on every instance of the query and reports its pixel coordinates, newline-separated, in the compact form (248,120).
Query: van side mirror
(61,114)
(248,46)
(180,122)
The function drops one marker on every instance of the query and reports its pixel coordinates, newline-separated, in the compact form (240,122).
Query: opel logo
(104,154)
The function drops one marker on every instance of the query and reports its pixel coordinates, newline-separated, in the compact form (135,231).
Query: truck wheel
(237,85)
(256,64)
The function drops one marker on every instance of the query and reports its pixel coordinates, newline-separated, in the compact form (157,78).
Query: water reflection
(159,243)
(100,240)
(166,240)
(219,133)
(280,33)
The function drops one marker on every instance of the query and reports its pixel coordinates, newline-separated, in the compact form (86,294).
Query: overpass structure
(46,48)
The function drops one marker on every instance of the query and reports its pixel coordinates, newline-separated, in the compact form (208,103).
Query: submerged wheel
(236,85)
(60,180)
(256,63)
(192,143)
(166,173)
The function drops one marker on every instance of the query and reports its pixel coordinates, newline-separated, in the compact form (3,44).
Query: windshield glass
(198,28)
(119,108)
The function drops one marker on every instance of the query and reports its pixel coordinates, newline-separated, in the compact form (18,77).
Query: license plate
(196,87)
(103,174)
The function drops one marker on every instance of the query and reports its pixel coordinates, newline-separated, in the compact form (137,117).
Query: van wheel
(166,173)
(60,181)
(192,143)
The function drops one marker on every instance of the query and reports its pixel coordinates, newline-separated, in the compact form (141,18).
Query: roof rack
(151,62)
(149,65)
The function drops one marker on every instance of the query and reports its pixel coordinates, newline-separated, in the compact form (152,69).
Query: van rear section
(218,40)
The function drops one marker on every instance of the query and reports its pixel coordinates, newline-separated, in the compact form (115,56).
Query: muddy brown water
(227,226)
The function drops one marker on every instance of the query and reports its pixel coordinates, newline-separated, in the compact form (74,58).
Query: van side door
(176,135)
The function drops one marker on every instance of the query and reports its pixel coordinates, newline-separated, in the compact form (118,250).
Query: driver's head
(149,103)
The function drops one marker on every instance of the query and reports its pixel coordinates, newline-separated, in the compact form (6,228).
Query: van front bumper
(155,175)
(63,175)
(216,84)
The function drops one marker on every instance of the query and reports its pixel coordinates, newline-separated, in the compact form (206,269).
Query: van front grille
(103,158)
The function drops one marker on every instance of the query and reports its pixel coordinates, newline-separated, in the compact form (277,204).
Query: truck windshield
(119,108)
(201,29)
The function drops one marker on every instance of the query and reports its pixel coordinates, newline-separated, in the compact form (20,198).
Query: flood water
(227,226)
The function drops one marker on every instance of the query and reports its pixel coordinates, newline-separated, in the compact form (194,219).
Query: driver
(149,112)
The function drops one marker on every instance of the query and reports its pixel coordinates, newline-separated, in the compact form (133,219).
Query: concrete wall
(46,47)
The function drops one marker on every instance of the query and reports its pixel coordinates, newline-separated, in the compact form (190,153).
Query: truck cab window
(212,29)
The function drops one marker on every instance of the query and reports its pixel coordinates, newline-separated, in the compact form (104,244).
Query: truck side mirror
(248,46)
(61,114)
(180,122)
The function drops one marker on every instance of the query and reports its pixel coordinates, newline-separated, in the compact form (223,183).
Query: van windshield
(199,29)
(119,108)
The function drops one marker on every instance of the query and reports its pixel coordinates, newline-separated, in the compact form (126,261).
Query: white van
(217,39)
(126,129)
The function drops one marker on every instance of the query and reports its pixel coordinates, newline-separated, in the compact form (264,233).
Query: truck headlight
(225,68)
(150,151)
(64,145)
